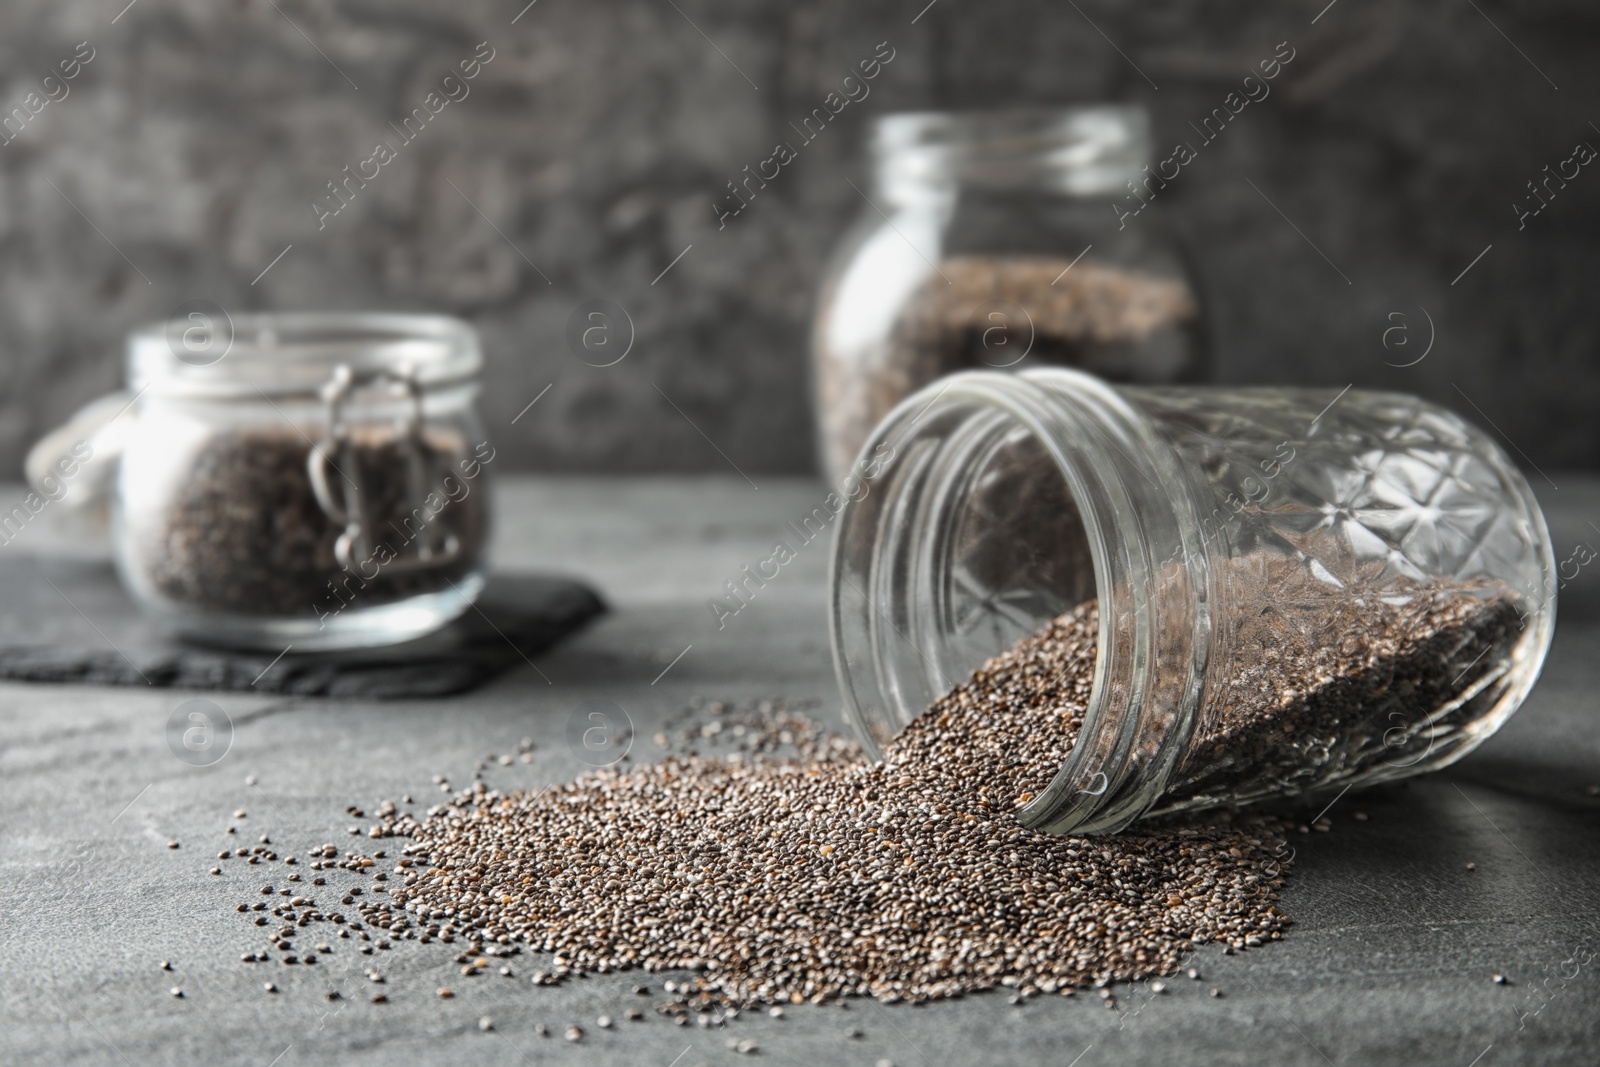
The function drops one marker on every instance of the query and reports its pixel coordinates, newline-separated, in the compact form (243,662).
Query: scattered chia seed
(784,868)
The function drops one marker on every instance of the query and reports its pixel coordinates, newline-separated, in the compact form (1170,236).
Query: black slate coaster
(69,621)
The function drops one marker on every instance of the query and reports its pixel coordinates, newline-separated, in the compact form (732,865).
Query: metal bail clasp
(350,506)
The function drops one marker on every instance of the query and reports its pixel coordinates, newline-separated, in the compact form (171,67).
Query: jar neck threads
(1078,151)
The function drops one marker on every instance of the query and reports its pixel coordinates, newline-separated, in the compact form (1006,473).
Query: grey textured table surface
(1391,959)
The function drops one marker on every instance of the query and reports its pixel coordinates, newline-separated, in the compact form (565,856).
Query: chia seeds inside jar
(1296,590)
(322,483)
(991,242)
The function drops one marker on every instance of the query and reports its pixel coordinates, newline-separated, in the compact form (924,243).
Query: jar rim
(1139,534)
(201,350)
(1081,150)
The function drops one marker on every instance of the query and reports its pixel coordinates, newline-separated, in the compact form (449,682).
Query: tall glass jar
(1298,590)
(305,480)
(997,240)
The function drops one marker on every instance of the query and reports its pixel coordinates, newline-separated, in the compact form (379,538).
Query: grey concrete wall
(186,154)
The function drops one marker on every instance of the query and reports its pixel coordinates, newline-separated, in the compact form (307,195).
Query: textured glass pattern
(1373,502)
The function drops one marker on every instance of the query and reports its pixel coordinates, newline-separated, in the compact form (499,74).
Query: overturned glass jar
(310,479)
(1298,590)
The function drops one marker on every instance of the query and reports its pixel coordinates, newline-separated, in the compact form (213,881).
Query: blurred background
(1388,172)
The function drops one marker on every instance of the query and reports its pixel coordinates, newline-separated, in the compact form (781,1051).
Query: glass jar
(1001,240)
(310,480)
(1298,590)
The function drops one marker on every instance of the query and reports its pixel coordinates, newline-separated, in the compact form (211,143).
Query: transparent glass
(1298,590)
(1000,240)
(313,479)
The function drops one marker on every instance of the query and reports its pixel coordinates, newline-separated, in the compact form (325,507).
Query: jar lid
(1086,150)
(201,350)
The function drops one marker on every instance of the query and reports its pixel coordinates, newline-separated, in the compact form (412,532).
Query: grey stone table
(1391,959)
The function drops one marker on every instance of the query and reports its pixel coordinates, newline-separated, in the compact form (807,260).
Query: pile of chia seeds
(791,869)
(822,875)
